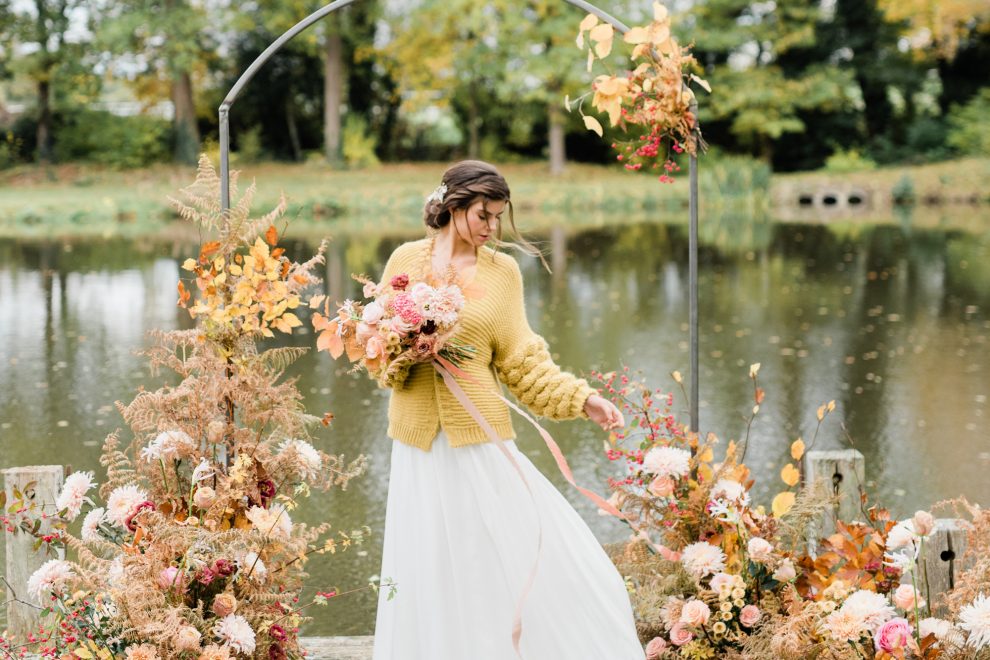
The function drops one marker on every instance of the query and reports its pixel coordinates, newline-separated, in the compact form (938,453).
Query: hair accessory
(437,195)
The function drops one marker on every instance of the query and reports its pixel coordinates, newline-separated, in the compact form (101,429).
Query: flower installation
(403,323)
(192,551)
(713,575)
(652,101)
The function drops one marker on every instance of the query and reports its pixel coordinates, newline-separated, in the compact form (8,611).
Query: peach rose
(679,635)
(759,550)
(785,572)
(375,347)
(187,639)
(662,486)
(204,497)
(749,616)
(224,604)
(655,648)
(904,598)
(924,523)
(695,613)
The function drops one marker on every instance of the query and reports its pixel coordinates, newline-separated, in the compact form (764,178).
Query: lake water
(891,322)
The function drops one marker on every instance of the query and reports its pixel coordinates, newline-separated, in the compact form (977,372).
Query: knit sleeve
(522,361)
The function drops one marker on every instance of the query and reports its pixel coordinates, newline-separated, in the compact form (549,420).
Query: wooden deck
(338,648)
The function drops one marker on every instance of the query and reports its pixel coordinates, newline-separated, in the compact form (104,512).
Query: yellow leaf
(797,449)
(593,124)
(189,264)
(706,455)
(821,413)
(705,472)
(659,12)
(782,503)
(790,475)
(580,40)
(316,301)
(676,375)
(754,369)
(636,35)
(83,653)
(589,22)
(567,102)
(591,58)
(831,405)
(291,320)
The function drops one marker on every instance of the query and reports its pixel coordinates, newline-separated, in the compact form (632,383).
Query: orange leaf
(208,249)
(797,449)
(790,475)
(271,236)
(782,503)
(184,294)
(277,252)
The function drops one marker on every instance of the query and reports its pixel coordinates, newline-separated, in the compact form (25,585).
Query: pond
(889,321)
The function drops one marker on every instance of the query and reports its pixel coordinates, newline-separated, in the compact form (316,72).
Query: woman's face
(478,223)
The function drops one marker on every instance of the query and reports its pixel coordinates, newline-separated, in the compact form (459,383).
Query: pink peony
(749,616)
(904,598)
(662,486)
(405,307)
(679,635)
(655,648)
(400,282)
(171,578)
(695,613)
(892,635)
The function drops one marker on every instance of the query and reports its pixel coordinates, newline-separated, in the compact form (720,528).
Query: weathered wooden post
(40,485)
(940,561)
(843,470)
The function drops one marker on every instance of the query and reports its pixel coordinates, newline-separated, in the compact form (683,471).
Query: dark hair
(466,181)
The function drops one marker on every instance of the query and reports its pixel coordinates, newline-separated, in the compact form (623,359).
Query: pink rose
(924,523)
(170,578)
(722,578)
(695,613)
(679,635)
(655,648)
(375,347)
(904,598)
(749,616)
(892,635)
(662,486)
(400,282)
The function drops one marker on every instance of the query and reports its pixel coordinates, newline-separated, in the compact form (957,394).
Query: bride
(460,526)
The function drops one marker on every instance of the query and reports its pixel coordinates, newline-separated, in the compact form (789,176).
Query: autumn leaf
(593,124)
(589,22)
(659,12)
(782,503)
(208,249)
(636,35)
(184,295)
(797,449)
(602,35)
(754,369)
(702,83)
(790,475)
(189,264)
(271,235)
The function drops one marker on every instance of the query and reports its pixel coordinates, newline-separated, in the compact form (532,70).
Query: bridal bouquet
(402,324)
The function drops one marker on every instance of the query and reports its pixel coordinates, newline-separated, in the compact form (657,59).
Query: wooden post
(843,470)
(940,562)
(22,560)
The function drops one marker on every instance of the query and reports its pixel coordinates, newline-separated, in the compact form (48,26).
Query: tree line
(795,82)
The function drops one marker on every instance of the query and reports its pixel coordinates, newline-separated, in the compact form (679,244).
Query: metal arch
(621,27)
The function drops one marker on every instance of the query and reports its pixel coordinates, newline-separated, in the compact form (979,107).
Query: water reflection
(888,321)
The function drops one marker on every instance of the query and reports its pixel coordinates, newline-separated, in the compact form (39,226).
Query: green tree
(169,43)
(743,47)
(40,31)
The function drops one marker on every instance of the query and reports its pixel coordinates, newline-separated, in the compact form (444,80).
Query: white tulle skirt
(460,539)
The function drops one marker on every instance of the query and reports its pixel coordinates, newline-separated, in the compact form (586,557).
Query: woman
(460,529)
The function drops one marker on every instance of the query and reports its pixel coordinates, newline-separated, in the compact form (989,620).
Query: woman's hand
(604,413)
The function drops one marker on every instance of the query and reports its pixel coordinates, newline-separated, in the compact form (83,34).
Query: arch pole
(261,60)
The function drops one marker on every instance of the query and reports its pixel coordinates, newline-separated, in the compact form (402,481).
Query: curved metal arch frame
(261,60)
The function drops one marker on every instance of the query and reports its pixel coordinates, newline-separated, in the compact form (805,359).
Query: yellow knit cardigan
(507,350)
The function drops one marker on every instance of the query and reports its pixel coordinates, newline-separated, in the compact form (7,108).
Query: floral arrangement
(404,323)
(193,552)
(713,575)
(653,100)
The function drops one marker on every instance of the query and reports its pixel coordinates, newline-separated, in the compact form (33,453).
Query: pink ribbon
(447,370)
